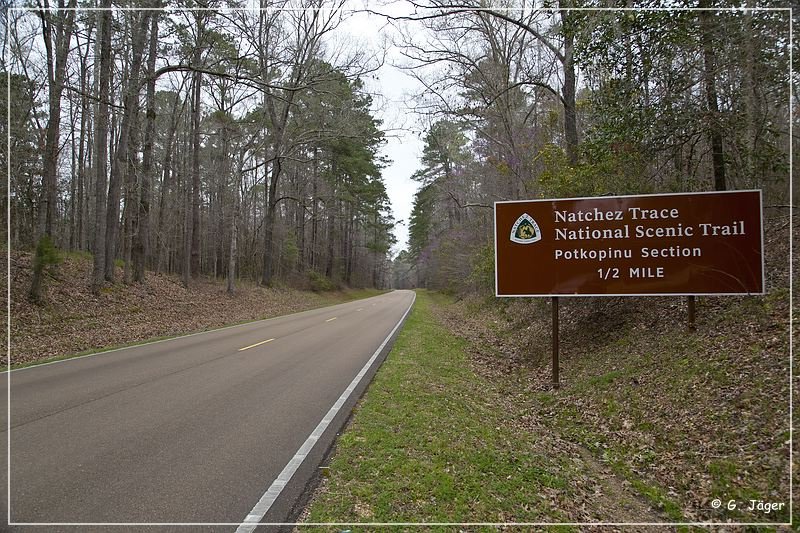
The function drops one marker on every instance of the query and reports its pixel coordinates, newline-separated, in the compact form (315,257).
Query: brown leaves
(73,320)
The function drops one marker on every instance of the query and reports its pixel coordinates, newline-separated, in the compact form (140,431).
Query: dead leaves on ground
(73,320)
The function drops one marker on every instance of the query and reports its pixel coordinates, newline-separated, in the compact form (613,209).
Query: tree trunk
(269,221)
(184,178)
(88,183)
(57,41)
(83,155)
(749,83)
(121,154)
(219,209)
(196,88)
(195,243)
(141,245)
(73,186)
(166,187)
(101,146)
(709,81)
(79,234)
(131,195)
(233,251)
(570,113)
(301,233)
(56,47)
(348,247)
(314,212)
(330,208)
(187,235)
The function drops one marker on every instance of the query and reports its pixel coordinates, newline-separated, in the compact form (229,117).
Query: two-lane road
(208,428)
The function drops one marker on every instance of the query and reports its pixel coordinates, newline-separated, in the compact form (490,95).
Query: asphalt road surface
(218,427)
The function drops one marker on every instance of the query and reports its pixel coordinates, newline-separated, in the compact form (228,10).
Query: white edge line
(103,352)
(268,498)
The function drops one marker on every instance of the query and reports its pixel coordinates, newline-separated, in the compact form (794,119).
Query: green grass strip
(431,443)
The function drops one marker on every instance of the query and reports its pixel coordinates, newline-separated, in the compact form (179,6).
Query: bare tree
(57,29)
(308,28)
(710,85)
(120,167)
(141,247)
(101,144)
(529,18)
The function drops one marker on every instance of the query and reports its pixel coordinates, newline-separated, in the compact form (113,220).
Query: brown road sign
(659,244)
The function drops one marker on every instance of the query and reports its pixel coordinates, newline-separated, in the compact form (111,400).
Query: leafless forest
(195,141)
(241,141)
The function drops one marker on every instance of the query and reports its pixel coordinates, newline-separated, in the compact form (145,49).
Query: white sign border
(584,295)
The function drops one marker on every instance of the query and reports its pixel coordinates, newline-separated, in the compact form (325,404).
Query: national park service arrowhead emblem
(525,230)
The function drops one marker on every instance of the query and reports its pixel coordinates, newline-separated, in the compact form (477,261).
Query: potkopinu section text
(626,253)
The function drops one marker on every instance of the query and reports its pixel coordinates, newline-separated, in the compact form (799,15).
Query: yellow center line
(256,344)
(334,318)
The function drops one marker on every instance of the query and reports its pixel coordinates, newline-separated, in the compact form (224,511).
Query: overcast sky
(395,87)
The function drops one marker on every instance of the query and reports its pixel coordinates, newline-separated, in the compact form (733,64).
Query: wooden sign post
(556,364)
(683,244)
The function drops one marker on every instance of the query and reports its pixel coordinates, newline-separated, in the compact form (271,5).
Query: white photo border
(248,526)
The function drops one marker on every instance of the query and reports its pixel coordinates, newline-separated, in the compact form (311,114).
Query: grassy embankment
(433,441)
